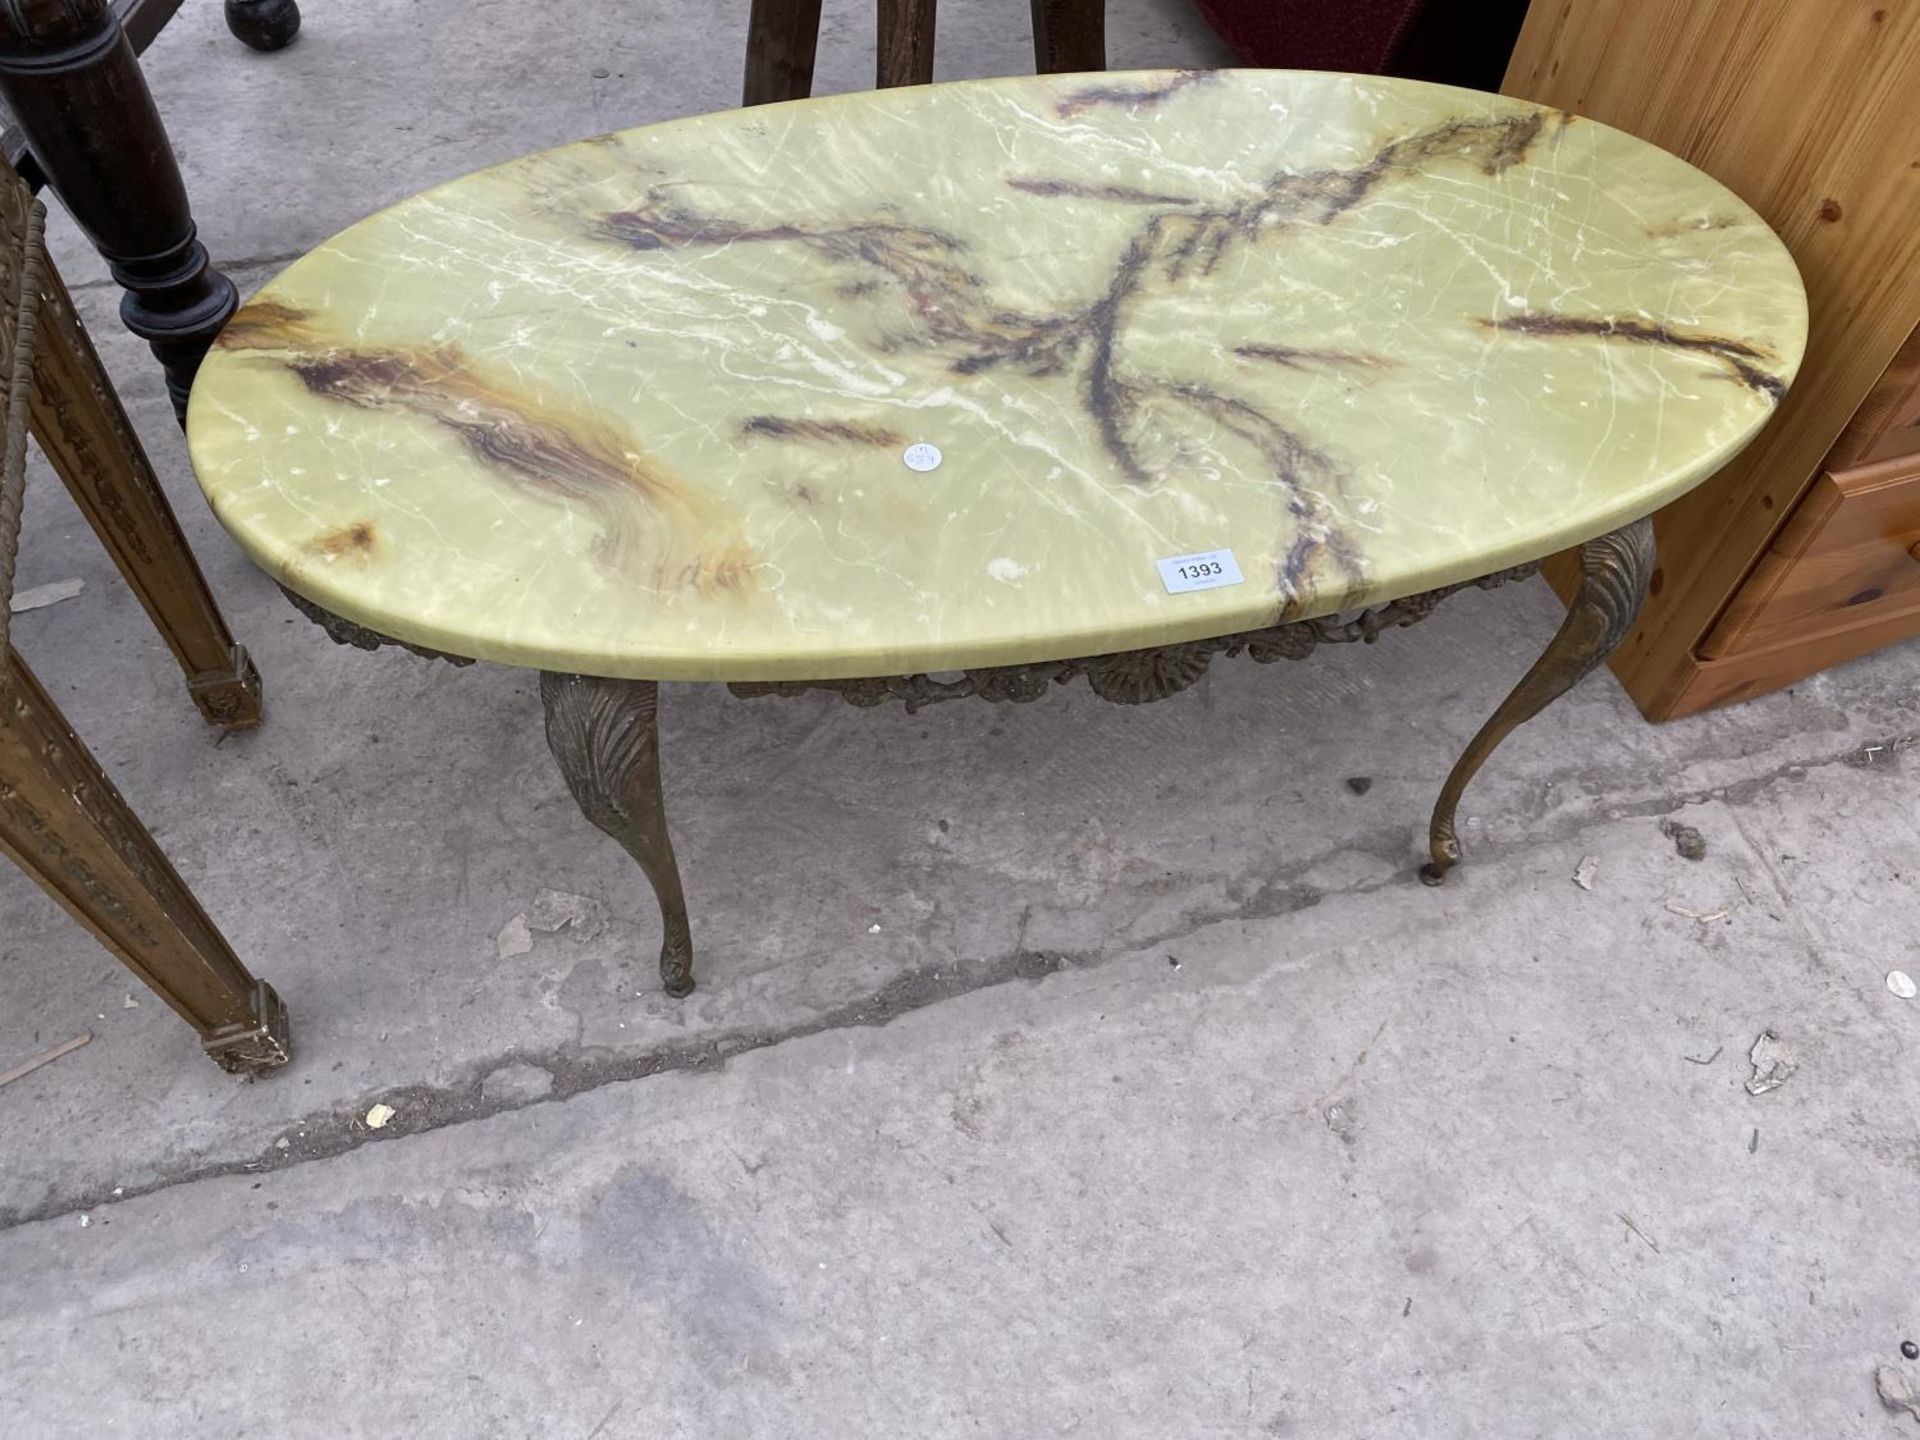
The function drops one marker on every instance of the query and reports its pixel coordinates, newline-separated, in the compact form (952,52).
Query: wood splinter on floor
(1627,1220)
(38,597)
(27,1067)
(1705,917)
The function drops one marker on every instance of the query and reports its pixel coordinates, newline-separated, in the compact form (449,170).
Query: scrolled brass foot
(230,698)
(257,1046)
(1614,571)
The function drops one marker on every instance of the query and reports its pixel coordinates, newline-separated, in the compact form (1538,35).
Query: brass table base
(605,733)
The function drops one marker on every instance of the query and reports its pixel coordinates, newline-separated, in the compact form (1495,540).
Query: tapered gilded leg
(606,736)
(1614,571)
(91,445)
(62,822)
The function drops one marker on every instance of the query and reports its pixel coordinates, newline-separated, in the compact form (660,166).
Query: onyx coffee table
(972,389)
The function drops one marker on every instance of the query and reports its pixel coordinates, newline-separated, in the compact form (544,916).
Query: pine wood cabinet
(1800,554)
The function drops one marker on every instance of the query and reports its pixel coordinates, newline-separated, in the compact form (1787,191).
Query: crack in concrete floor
(421,1109)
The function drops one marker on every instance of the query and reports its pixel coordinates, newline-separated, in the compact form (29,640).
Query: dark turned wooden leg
(606,736)
(1614,571)
(905,49)
(263,24)
(782,36)
(62,822)
(1069,36)
(69,74)
(87,438)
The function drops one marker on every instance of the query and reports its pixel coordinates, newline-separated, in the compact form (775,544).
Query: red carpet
(1458,42)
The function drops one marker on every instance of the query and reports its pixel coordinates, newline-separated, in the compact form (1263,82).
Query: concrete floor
(1069,1070)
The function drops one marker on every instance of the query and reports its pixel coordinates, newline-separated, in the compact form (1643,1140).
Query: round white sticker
(922,456)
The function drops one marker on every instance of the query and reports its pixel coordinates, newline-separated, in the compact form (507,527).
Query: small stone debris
(600,72)
(1174,961)
(281,1143)
(1910,1350)
(127,1002)
(85,1221)
(515,938)
(1773,1063)
(38,597)
(1901,984)
(1341,1122)
(1895,1392)
(379,1116)
(1876,752)
(873,929)
(1359,784)
(552,912)
(1687,841)
(581,916)
(1583,872)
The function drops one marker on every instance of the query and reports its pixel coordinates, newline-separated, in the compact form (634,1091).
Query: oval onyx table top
(647,405)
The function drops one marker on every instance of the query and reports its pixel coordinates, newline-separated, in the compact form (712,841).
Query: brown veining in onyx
(939,292)
(560,455)
(357,541)
(831,432)
(1118,194)
(1736,356)
(1293,358)
(1134,98)
(919,277)
(1668,229)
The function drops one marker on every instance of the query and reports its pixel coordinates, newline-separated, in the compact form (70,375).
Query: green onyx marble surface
(643,405)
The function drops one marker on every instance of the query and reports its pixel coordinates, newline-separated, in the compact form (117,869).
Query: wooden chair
(61,820)
(1068,36)
(86,124)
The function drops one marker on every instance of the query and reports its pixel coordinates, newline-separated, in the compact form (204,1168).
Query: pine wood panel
(1809,110)
(1711,683)
(1888,420)
(1843,562)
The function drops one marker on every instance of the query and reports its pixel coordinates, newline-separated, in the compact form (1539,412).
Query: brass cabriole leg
(63,822)
(91,445)
(606,736)
(1614,571)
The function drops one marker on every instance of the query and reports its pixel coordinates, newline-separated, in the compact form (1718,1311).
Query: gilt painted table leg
(1614,571)
(64,823)
(91,445)
(606,736)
